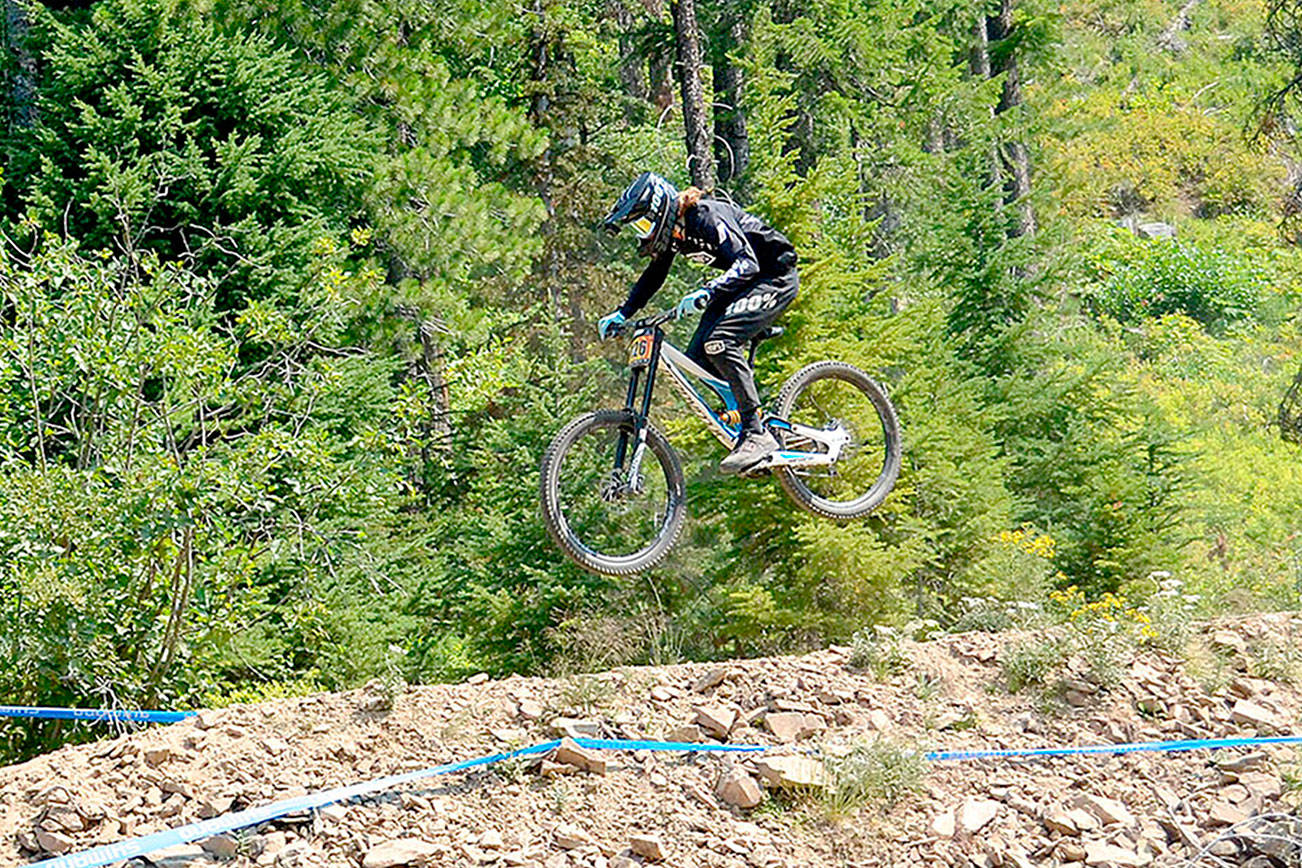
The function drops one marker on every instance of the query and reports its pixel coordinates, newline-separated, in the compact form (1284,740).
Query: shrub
(1209,286)
(878,650)
(1276,659)
(1032,664)
(877,774)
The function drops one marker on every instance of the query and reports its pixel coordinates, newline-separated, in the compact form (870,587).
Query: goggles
(643,226)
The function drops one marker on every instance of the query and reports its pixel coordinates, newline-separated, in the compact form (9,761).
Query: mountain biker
(758,282)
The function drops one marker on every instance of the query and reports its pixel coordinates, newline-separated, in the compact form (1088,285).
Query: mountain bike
(613,492)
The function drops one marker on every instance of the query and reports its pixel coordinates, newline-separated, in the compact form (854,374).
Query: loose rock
(739,789)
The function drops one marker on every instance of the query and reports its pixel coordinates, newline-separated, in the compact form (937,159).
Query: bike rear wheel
(601,522)
(829,394)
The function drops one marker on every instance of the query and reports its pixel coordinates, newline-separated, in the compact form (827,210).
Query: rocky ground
(613,809)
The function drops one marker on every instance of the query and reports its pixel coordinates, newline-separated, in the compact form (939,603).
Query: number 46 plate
(639,352)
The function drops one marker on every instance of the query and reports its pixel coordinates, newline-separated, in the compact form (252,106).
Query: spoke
(826,404)
(818,406)
(597,503)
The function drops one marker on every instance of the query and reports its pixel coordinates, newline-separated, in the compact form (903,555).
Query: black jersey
(718,233)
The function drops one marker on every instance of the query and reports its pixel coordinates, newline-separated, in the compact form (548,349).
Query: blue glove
(693,302)
(609,324)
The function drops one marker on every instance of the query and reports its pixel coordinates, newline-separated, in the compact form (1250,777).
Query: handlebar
(647,322)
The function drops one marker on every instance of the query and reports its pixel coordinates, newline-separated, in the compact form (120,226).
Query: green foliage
(295,294)
(879,775)
(161,132)
(878,650)
(1032,663)
(1170,277)
(1161,154)
(1278,659)
(168,522)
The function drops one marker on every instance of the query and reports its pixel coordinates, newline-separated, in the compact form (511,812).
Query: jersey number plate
(639,352)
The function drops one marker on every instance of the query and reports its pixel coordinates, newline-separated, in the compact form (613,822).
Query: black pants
(722,340)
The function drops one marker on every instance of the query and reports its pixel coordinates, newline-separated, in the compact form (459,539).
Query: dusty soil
(1135,809)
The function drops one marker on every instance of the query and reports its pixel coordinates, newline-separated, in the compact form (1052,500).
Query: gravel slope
(1137,809)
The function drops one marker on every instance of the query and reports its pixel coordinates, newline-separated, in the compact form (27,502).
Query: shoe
(752,449)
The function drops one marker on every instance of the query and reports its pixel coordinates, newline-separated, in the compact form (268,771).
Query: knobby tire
(659,449)
(791,482)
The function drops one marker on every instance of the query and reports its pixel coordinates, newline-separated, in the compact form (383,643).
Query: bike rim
(603,518)
(827,403)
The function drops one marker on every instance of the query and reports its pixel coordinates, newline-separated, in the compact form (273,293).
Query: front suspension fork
(639,418)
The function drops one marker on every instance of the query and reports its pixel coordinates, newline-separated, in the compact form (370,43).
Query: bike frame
(673,361)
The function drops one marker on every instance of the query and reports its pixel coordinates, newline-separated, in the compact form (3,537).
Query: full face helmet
(650,206)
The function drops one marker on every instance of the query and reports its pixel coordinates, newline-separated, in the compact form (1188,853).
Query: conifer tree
(696,121)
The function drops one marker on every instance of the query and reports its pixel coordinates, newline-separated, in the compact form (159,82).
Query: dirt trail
(682,809)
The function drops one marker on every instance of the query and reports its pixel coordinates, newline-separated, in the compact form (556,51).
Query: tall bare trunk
(979,63)
(1016,155)
(733,145)
(696,123)
(632,62)
(22,80)
(540,114)
(551,66)
(1010,162)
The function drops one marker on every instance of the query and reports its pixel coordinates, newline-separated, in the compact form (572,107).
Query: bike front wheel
(601,518)
(835,396)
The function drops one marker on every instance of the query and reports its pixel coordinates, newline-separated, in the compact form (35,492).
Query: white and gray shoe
(752,449)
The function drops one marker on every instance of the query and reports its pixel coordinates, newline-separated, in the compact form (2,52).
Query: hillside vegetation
(295,294)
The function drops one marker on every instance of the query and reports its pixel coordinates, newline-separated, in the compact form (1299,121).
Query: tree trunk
(632,64)
(22,82)
(732,149)
(1010,162)
(1172,38)
(660,72)
(551,66)
(1017,189)
(696,122)
(1016,156)
(539,113)
(979,62)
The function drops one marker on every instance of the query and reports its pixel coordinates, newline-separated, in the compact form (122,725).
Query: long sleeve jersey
(717,233)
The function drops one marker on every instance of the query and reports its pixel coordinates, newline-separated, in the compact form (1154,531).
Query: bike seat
(773,331)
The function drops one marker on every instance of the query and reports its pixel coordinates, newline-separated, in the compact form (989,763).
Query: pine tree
(161,133)
(697,128)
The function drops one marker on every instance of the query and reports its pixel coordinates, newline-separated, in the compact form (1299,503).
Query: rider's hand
(609,324)
(693,302)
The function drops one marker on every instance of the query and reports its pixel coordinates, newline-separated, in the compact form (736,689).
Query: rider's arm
(647,285)
(734,249)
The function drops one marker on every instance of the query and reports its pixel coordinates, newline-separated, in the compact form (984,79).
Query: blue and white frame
(826,444)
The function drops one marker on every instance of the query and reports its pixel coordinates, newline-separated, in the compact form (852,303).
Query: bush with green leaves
(877,775)
(1166,277)
(1032,663)
(168,522)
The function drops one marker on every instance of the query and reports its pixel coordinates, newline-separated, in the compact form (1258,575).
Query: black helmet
(651,204)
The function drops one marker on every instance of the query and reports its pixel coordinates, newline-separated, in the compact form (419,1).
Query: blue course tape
(1134,747)
(111,853)
(637,744)
(136,847)
(131,849)
(95,715)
